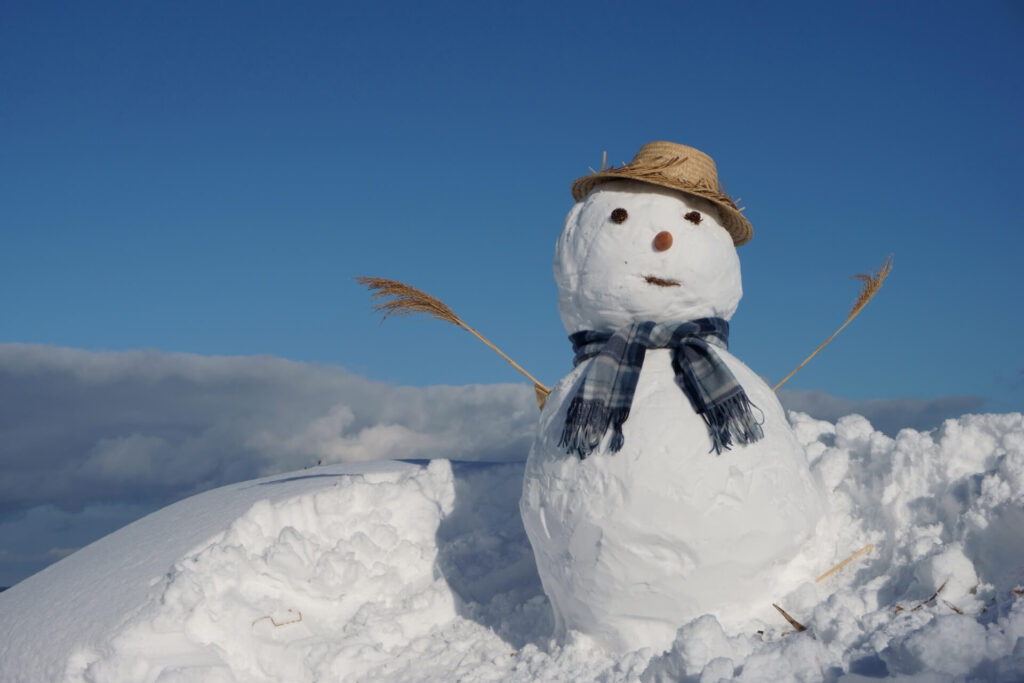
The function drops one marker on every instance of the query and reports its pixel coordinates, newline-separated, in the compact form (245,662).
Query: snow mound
(416,571)
(346,582)
(353,562)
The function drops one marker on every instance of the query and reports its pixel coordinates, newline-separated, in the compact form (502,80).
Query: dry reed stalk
(931,599)
(792,622)
(872,283)
(845,562)
(279,624)
(392,297)
(900,608)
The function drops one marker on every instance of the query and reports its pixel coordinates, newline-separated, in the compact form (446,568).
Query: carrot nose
(663,241)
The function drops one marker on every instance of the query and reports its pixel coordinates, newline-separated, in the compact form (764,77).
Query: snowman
(665,481)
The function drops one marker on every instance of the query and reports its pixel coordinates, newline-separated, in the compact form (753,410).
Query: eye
(694,217)
(619,215)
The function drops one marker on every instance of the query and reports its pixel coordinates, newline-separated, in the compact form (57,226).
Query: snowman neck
(605,396)
(589,343)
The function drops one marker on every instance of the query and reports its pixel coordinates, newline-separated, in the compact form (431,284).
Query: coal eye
(694,217)
(620,215)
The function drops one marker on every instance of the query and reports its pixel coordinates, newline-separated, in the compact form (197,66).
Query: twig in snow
(792,622)
(953,607)
(278,624)
(931,599)
(845,562)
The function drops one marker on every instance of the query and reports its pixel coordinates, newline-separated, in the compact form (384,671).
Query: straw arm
(510,361)
(813,354)
(397,298)
(872,283)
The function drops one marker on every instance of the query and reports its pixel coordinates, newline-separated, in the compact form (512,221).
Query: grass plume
(392,297)
(872,283)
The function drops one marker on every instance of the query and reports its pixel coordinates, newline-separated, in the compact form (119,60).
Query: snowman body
(631,545)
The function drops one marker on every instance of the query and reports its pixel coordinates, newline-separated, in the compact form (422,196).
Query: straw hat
(676,167)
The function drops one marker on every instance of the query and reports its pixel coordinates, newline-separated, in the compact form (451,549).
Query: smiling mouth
(661,282)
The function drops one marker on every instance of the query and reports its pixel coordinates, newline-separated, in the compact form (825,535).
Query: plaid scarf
(606,393)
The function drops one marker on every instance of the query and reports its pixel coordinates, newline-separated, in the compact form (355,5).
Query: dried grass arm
(397,298)
(872,283)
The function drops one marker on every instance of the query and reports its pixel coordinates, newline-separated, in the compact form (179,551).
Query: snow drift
(416,571)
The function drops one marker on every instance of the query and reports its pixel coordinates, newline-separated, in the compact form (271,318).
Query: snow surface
(416,571)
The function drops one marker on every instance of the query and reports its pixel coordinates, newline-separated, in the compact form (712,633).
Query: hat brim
(732,220)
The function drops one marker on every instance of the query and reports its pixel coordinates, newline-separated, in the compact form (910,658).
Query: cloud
(888,415)
(78,428)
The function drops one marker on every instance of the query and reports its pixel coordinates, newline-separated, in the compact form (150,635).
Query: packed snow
(631,544)
(421,571)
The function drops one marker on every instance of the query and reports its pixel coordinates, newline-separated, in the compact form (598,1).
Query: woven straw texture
(677,167)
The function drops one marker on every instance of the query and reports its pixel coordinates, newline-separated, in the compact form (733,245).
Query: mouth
(661,282)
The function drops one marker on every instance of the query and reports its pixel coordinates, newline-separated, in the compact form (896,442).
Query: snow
(417,571)
(631,545)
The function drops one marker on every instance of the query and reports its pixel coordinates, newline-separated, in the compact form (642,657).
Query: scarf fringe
(585,425)
(732,419)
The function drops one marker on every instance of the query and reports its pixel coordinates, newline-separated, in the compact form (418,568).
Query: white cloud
(80,427)
(126,458)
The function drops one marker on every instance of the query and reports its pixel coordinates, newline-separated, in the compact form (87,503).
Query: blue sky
(208,177)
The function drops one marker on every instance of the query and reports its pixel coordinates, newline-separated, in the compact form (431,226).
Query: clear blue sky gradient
(208,177)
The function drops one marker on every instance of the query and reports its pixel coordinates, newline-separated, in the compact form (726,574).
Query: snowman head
(632,251)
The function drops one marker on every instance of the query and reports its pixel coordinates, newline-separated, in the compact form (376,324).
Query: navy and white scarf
(606,393)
